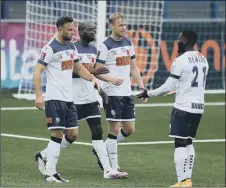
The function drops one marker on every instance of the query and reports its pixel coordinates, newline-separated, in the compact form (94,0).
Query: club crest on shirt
(59,56)
(113,53)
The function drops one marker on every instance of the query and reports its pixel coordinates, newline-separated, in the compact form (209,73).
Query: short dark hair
(62,20)
(82,26)
(190,35)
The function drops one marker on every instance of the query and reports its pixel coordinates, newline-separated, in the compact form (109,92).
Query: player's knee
(189,141)
(97,132)
(129,130)
(114,127)
(71,135)
(114,130)
(180,142)
(57,133)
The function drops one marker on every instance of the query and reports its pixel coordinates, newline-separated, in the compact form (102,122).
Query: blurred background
(26,26)
(147,155)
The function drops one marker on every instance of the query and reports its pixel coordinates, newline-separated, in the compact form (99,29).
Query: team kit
(74,70)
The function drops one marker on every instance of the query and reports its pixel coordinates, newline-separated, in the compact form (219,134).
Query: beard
(181,47)
(66,38)
(89,39)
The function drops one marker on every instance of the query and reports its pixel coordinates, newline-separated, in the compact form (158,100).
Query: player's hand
(145,100)
(117,81)
(143,95)
(99,70)
(39,102)
(104,97)
(95,84)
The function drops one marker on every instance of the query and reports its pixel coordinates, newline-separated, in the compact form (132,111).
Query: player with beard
(188,76)
(59,59)
(86,101)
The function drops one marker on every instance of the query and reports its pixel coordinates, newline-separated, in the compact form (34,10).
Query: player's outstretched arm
(39,68)
(168,86)
(170,93)
(107,77)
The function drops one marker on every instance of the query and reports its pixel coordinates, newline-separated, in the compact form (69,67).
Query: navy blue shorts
(184,124)
(120,108)
(61,114)
(89,110)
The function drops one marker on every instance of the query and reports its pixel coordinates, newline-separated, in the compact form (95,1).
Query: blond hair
(115,17)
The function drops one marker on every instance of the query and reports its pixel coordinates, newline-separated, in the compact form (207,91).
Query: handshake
(143,95)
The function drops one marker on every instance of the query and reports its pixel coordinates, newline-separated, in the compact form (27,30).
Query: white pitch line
(136,105)
(128,143)
(36,138)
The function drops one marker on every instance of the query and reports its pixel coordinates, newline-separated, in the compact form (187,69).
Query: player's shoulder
(179,62)
(182,57)
(93,46)
(56,47)
(127,40)
(76,44)
(47,48)
(110,43)
(104,44)
(71,45)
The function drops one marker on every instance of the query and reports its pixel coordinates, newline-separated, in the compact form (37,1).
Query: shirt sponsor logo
(67,65)
(123,61)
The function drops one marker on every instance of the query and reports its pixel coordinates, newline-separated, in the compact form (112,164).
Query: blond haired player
(117,53)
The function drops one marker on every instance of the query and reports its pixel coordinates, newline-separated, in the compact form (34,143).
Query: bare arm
(135,72)
(107,77)
(39,68)
(168,86)
(82,72)
(103,77)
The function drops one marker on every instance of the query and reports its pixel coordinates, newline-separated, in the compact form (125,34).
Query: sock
(102,154)
(65,142)
(44,154)
(121,136)
(53,152)
(112,148)
(191,159)
(180,160)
